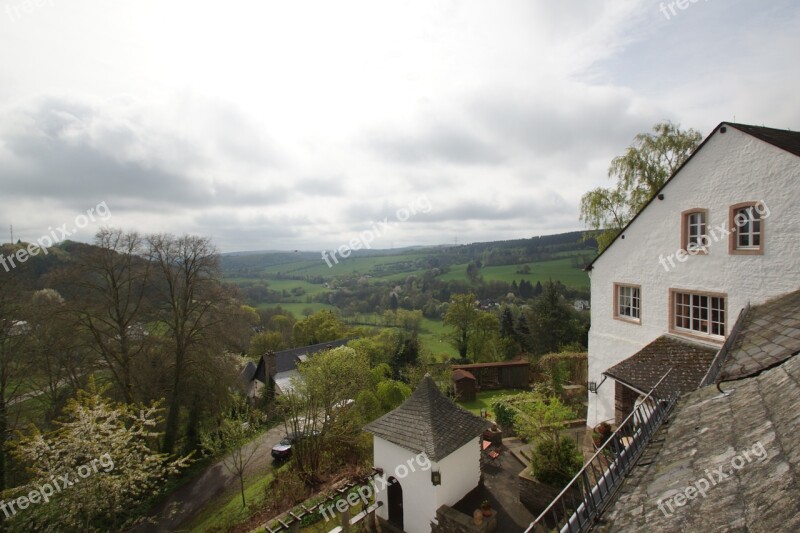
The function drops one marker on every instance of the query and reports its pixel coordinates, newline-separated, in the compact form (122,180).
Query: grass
(432,336)
(227,511)
(483,400)
(376,266)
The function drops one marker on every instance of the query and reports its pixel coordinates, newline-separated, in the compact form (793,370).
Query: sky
(300,125)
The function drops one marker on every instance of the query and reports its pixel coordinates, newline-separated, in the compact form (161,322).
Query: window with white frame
(698,313)
(747,237)
(627,302)
(748,228)
(696,229)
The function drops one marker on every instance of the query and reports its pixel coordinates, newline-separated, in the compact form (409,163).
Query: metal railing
(578,507)
(722,356)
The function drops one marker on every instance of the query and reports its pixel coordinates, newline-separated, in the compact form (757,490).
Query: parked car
(283,450)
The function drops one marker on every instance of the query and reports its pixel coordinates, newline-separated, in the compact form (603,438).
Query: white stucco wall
(460,473)
(731,168)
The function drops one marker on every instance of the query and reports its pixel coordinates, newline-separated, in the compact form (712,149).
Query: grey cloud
(436,143)
(70,151)
(537,127)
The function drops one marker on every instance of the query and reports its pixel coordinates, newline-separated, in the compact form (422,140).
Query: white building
(722,232)
(429,451)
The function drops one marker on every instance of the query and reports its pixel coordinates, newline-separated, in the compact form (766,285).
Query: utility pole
(11,229)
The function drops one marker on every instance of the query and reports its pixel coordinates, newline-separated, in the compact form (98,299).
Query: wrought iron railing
(722,355)
(578,507)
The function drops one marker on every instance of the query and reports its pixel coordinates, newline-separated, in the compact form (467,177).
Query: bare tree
(109,288)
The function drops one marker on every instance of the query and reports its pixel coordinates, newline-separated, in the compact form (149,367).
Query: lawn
(432,336)
(227,511)
(483,400)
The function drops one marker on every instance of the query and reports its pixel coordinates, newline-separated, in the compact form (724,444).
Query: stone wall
(452,521)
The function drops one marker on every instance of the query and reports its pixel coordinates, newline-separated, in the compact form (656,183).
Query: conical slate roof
(428,422)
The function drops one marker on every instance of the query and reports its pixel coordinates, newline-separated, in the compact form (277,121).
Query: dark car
(283,449)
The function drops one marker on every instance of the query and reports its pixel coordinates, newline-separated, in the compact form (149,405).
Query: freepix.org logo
(100,212)
(43,493)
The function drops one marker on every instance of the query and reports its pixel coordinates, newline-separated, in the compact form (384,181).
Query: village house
(720,235)
(696,328)
(429,449)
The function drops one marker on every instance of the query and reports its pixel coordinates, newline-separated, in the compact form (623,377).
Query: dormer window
(694,231)
(747,225)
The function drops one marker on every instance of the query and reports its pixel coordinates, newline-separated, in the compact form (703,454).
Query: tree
(485,338)
(266,341)
(15,367)
(507,323)
(107,292)
(319,327)
(640,172)
(105,449)
(461,314)
(551,321)
(392,393)
(193,307)
(234,439)
(320,407)
(58,354)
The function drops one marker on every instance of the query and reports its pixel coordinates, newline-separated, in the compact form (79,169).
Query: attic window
(747,235)
(694,231)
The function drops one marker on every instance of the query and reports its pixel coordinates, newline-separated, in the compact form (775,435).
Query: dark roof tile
(689,362)
(757,425)
(428,422)
(769,335)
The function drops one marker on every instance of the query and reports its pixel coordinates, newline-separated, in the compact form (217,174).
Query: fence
(293,520)
(598,480)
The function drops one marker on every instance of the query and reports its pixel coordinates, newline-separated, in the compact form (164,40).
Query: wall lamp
(593,385)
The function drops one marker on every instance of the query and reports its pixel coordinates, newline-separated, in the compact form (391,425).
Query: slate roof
(689,362)
(770,334)
(783,139)
(286,360)
(709,431)
(428,422)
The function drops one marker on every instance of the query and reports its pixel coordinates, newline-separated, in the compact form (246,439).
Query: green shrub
(504,412)
(556,462)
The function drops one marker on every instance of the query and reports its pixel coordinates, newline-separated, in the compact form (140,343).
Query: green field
(432,335)
(297,308)
(376,266)
(556,269)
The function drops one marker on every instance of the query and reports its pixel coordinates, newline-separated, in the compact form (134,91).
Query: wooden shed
(464,386)
(500,375)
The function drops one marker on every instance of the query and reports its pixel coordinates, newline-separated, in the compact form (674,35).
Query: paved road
(191,498)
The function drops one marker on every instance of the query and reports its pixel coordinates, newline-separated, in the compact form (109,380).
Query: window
(698,313)
(627,302)
(747,229)
(694,231)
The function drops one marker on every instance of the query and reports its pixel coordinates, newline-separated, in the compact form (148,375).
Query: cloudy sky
(298,124)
